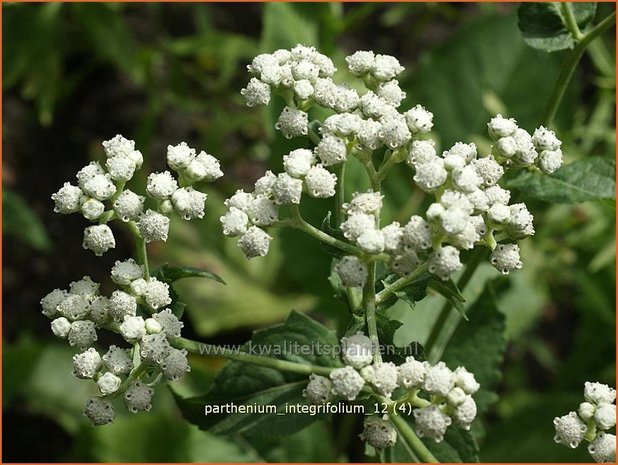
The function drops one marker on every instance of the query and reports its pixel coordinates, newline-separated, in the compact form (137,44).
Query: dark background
(77,74)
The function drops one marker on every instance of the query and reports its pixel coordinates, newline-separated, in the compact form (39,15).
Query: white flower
(343,125)
(352,271)
(422,151)
(298,162)
(170,323)
(357,224)
(129,206)
(234,222)
(154,347)
(92,209)
(385,67)
(293,123)
(320,182)
(489,170)
(368,134)
(371,241)
(241,200)
(319,390)
(100,187)
(520,222)
(325,64)
(61,327)
(118,361)
(454,220)
(331,150)
(605,416)
(68,199)
(189,203)
(204,167)
(304,70)
(344,99)
(439,379)
(499,213)
(495,194)
(545,139)
(87,364)
(125,272)
(570,430)
(153,226)
(99,239)
(444,261)
(394,131)
(99,310)
(385,378)
(393,234)
(586,411)
(550,160)
(264,185)
(51,301)
(153,326)
(122,304)
(357,350)
(88,172)
(161,185)
(256,93)
(263,212)
(376,107)
(360,63)
(255,242)
(85,286)
(505,258)
(465,380)
(99,411)
(379,433)
(506,147)
(108,383)
(603,448)
(431,422)
(526,152)
(347,382)
(303,89)
(598,393)
(467,179)
(287,190)
(479,201)
(156,294)
(175,365)
(419,120)
(74,307)
(411,373)
(120,168)
(137,397)
(133,328)
(499,127)
(465,413)
(430,175)
(82,334)
(179,156)
(417,233)
(405,263)
(261,61)
(391,92)
(118,146)
(467,152)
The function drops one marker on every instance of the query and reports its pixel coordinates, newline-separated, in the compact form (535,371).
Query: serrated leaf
(479,345)
(581,181)
(169,273)
(248,384)
(542,24)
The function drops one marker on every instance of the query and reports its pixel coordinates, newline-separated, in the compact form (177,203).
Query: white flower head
(108,383)
(161,185)
(371,241)
(391,92)
(153,226)
(319,390)
(320,182)
(298,162)
(352,271)
(100,411)
(133,328)
(550,160)
(82,334)
(256,93)
(347,383)
(599,393)
(361,62)
(92,209)
(255,242)
(118,361)
(189,203)
(331,150)
(385,67)
(98,238)
(422,151)
(234,222)
(357,350)
(499,127)
(120,168)
(87,364)
(379,433)
(545,139)
(122,304)
(68,199)
(138,396)
(126,271)
(263,211)
(61,327)
(129,206)
(430,175)
(287,190)
(175,365)
(431,422)
(293,123)
(100,187)
(603,448)
(356,224)
(411,373)
(417,234)
(570,430)
(444,261)
(118,146)
(179,156)
(505,258)
(420,120)
(156,294)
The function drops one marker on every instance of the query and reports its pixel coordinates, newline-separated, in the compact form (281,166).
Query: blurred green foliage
(185,65)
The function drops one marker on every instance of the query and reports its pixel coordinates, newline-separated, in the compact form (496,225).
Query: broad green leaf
(479,346)
(412,293)
(581,181)
(542,24)
(286,25)
(451,292)
(458,446)
(21,221)
(170,273)
(247,384)
(386,334)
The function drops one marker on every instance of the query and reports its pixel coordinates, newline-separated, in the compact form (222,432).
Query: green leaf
(386,334)
(23,222)
(542,24)
(286,25)
(451,292)
(336,233)
(479,346)
(412,293)
(584,180)
(170,274)
(457,446)
(251,385)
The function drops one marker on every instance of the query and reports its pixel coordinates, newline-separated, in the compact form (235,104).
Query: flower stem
(369,301)
(569,65)
(339,193)
(412,440)
(571,22)
(133,376)
(281,365)
(140,248)
(396,286)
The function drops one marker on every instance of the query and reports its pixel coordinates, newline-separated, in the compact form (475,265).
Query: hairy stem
(438,326)
(140,248)
(369,302)
(281,365)
(569,65)
(412,440)
(401,283)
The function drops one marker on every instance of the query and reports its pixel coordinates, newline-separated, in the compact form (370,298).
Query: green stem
(413,441)
(300,223)
(140,248)
(133,376)
(281,365)
(369,301)
(339,193)
(571,22)
(438,326)
(569,65)
(401,283)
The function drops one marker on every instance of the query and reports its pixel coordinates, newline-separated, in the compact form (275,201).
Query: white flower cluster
(443,397)
(250,212)
(98,184)
(594,417)
(78,313)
